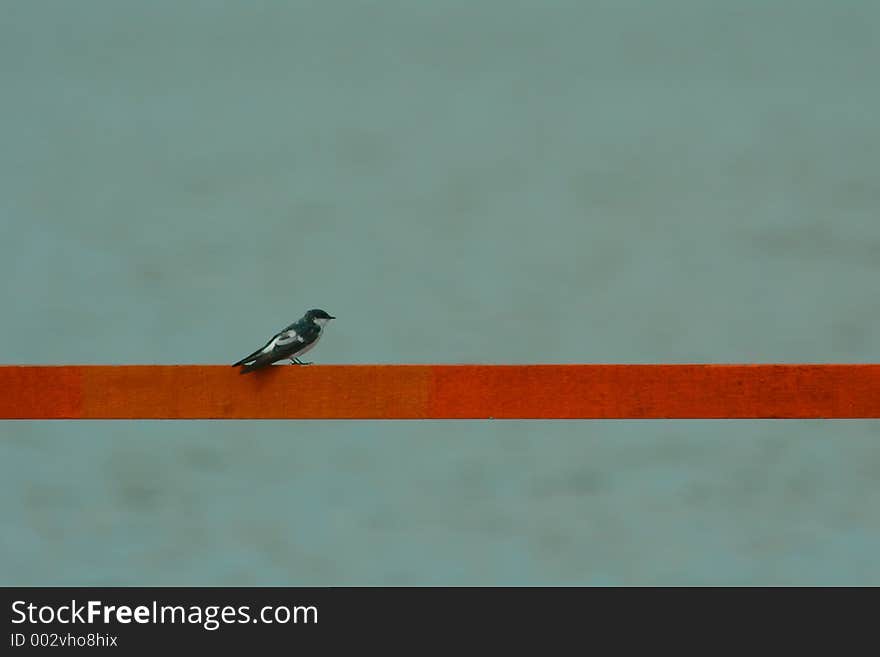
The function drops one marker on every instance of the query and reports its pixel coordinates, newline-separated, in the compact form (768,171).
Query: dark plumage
(290,343)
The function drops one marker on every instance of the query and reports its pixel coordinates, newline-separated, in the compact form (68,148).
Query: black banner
(361,619)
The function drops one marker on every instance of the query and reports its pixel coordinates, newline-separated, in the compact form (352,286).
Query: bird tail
(247,358)
(250,367)
(255,363)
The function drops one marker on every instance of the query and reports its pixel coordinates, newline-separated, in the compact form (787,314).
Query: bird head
(318,316)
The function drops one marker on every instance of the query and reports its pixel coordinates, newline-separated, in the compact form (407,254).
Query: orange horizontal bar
(92,392)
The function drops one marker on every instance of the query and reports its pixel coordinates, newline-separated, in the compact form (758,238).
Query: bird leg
(297,361)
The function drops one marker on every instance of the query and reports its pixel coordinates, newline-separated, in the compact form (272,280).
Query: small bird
(290,343)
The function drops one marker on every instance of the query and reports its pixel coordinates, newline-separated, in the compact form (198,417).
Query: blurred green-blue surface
(481,181)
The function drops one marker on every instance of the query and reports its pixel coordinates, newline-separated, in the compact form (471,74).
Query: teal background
(482,181)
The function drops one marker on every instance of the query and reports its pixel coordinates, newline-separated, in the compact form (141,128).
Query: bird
(290,343)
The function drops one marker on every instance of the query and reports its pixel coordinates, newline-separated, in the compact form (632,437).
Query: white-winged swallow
(290,343)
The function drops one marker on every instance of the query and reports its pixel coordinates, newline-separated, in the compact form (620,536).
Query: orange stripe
(440,391)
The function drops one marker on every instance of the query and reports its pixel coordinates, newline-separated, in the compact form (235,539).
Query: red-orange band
(440,391)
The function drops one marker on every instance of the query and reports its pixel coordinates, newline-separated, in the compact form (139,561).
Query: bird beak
(332,317)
